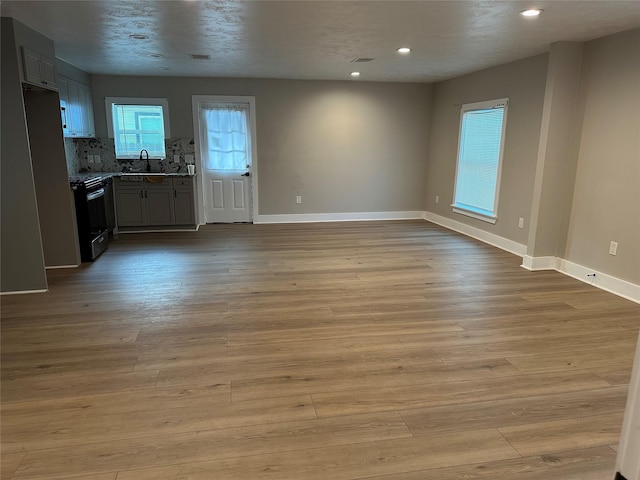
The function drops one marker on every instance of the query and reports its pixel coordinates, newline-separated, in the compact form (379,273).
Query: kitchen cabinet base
(156,229)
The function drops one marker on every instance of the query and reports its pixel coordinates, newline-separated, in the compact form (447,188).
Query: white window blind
(137,124)
(225,136)
(480,148)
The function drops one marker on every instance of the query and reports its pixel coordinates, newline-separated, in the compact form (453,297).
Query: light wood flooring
(383,350)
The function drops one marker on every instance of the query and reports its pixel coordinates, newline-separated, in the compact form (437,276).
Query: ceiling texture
(312,39)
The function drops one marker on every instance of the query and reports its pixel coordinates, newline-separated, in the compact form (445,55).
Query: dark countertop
(86,175)
(152,174)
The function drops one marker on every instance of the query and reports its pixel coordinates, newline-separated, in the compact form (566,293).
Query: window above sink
(137,124)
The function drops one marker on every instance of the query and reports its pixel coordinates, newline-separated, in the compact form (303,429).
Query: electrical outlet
(521,223)
(298,198)
(90,158)
(96,159)
(437,198)
(613,248)
(188,158)
(176,159)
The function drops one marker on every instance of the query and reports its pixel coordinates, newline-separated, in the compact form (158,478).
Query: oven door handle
(96,194)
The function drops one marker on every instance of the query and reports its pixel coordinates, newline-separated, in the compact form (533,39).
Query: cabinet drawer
(182,182)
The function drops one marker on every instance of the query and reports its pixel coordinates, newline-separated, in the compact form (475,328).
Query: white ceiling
(313,39)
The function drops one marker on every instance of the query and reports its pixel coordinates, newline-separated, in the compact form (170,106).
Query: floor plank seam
(315,411)
(510,444)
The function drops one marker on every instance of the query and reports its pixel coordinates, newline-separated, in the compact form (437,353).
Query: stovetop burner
(88,181)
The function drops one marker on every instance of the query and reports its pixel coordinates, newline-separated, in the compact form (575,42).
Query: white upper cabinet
(39,69)
(76,108)
(86,97)
(63,91)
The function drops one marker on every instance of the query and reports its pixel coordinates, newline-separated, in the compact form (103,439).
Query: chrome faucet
(148,164)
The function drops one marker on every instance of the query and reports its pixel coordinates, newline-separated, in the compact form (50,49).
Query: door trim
(196,100)
(627,461)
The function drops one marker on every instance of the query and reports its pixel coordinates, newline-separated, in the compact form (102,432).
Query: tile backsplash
(73,160)
(80,150)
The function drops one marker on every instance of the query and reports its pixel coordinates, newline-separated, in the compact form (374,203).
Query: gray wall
(67,70)
(556,162)
(56,209)
(343,146)
(21,257)
(27,37)
(365,147)
(524,83)
(606,201)
(589,191)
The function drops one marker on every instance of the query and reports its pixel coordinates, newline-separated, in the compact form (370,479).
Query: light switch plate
(188,158)
(176,159)
(96,159)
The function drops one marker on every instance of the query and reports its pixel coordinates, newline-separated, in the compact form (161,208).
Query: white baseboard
(486,237)
(611,284)
(22,292)
(54,267)
(337,217)
(539,263)
(614,285)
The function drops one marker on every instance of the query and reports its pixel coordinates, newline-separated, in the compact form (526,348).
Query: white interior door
(225,146)
(227,196)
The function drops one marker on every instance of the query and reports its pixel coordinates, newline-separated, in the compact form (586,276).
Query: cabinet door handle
(141,193)
(175,193)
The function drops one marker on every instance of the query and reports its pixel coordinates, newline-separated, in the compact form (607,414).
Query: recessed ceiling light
(532,12)
(404,50)
(138,36)
(355,74)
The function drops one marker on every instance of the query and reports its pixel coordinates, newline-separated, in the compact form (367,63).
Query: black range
(94,205)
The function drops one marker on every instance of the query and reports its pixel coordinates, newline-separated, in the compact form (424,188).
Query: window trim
(469,211)
(161,102)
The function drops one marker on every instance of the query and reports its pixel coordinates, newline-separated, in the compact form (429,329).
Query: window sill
(130,159)
(476,215)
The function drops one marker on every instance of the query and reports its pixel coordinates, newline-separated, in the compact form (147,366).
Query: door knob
(246,174)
